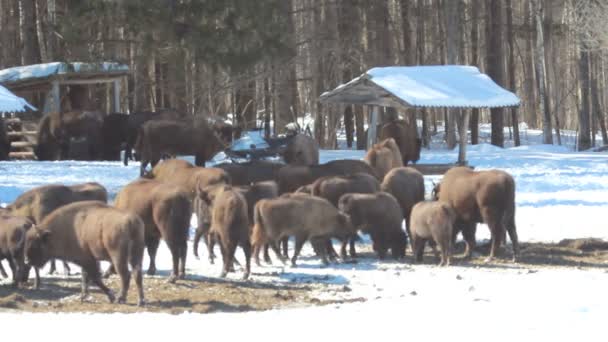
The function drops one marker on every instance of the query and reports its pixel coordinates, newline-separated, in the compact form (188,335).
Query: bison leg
(175,255)
(267,254)
(182,260)
(285,245)
(66,268)
(496,231)
(14,270)
(329,249)
(53,267)
(94,275)
(322,243)
(152,246)
(109,272)
(122,269)
(468,234)
(418,248)
(351,242)
(246,245)
(84,285)
(511,229)
(210,241)
(275,247)
(200,232)
(296,251)
(228,251)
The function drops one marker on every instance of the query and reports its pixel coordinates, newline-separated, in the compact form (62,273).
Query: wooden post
(117,96)
(55,98)
(371,130)
(462,147)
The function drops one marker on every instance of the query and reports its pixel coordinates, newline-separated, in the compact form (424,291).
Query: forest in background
(271,59)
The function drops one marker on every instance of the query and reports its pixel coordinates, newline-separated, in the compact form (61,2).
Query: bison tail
(258,234)
(137,242)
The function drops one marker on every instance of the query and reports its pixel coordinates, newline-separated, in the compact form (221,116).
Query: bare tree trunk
(474,120)
(529,67)
(452,36)
(29,40)
(584,139)
(598,110)
(494,64)
(420,45)
(511,67)
(540,75)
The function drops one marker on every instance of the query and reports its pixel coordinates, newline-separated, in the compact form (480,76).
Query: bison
(12,243)
(384,156)
(251,172)
(405,136)
(229,224)
(291,177)
(432,221)
(407,185)
(114,135)
(300,215)
(38,202)
(380,216)
(301,150)
(86,233)
(480,197)
(167,137)
(165,211)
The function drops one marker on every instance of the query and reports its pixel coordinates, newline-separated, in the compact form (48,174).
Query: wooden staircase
(22,135)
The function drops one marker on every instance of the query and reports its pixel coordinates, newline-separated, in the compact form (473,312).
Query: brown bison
(405,136)
(38,202)
(85,233)
(157,138)
(252,194)
(432,221)
(165,211)
(229,224)
(300,215)
(12,244)
(384,156)
(114,134)
(291,177)
(182,173)
(57,132)
(480,197)
(301,150)
(407,185)
(378,215)
(136,121)
(251,172)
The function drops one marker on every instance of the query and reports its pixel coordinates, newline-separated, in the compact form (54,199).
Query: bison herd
(256,205)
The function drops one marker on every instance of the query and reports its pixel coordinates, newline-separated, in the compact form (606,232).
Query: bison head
(37,247)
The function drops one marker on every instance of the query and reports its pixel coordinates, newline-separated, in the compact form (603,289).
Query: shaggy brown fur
(407,185)
(432,221)
(378,215)
(290,177)
(229,225)
(12,243)
(303,216)
(167,137)
(165,211)
(481,197)
(251,172)
(301,150)
(85,233)
(182,173)
(56,130)
(38,202)
(405,136)
(384,156)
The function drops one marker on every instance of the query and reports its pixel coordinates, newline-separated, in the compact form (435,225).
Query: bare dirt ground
(204,295)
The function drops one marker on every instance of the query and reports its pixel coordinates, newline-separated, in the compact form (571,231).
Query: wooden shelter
(440,86)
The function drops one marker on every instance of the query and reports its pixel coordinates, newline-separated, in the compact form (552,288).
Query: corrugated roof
(10,102)
(455,86)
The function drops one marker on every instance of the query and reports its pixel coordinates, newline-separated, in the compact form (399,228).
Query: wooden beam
(90,81)
(117,96)
(51,102)
(371,130)
(462,147)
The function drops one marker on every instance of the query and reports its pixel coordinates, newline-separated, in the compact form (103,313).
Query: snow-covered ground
(560,194)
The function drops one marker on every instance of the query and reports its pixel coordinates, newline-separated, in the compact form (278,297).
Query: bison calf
(378,215)
(85,233)
(12,243)
(432,221)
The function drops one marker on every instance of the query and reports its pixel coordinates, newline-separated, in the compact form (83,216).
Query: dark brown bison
(383,157)
(114,135)
(432,221)
(300,215)
(406,184)
(291,177)
(38,202)
(136,121)
(480,197)
(5,144)
(251,172)
(12,243)
(165,211)
(157,138)
(229,224)
(378,215)
(86,233)
(57,132)
(301,150)
(405,136)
